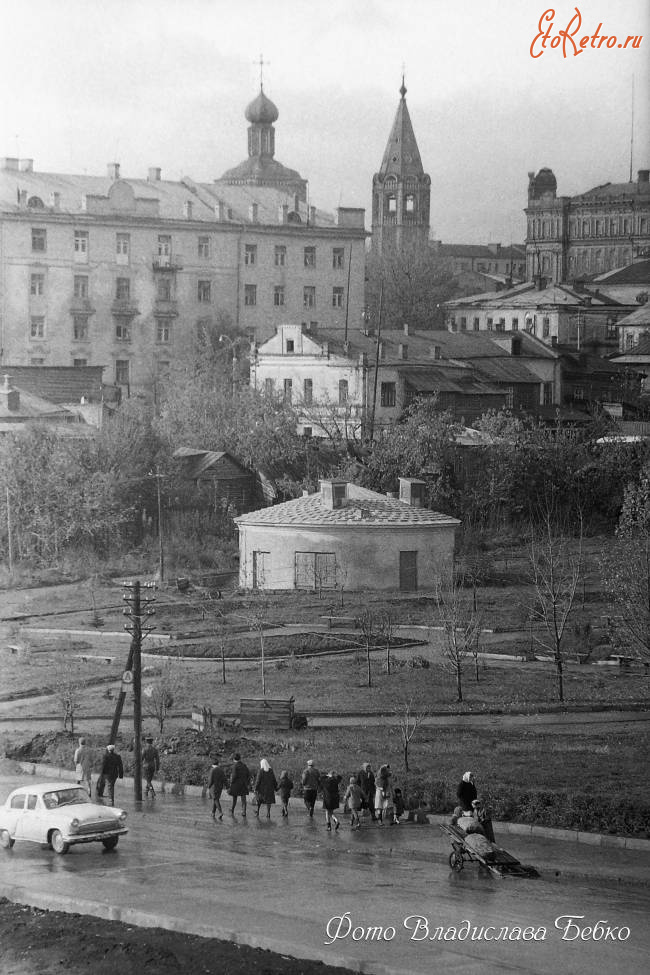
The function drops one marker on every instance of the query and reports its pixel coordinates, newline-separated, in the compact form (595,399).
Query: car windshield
(64,797)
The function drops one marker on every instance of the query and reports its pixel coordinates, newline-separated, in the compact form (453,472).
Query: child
(354,798)
(398,805)
(285,785)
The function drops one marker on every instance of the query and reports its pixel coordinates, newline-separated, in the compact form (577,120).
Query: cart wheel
(456,861)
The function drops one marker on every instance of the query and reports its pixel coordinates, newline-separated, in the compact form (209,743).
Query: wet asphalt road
(277,884)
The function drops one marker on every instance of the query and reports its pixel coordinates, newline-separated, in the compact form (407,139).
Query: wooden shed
(266,712)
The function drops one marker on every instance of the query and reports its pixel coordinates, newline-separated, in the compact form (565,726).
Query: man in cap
(216,784)
(310,783)
(112,770)
(366,782)
(150,765)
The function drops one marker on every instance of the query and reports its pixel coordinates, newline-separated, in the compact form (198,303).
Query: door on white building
(261,567)
(408,571)
(315,570)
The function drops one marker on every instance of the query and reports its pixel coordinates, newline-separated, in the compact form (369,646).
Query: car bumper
(75,838)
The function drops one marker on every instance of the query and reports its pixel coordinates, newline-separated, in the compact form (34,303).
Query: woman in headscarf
(466,791)
(265,788)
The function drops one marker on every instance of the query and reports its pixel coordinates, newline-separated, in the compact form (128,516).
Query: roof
(609,191)
(199,461)
(58,384)
(527,295)
(401,156)
(362,509)
(436,379)
(515,252)
(641,316)
(31,408)
(636,273)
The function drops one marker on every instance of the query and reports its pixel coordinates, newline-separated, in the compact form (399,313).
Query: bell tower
(401,190)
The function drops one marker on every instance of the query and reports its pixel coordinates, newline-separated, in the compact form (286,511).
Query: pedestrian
(466,791)
(216,785)
(265,788)
(310,785)
(366,780)
(483,815)
(83,761)
(112,770)
(285,785)
(239,781)
(384,795)
(150,765)
(398,804)
(354,798)
(331,799)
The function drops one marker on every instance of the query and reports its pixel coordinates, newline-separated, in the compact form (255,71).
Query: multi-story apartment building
(120,272)
(570,237)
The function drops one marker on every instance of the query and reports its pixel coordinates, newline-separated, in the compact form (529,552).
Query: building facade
(121,272)
(570,237)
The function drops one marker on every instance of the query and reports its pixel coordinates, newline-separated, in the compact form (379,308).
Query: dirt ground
(35,942)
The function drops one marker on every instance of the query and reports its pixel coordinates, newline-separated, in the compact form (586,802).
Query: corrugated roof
(362,509)
(506,370)
(31,407)
(641,316)
(435,380)
(58,384)
(608,191)
(637,273)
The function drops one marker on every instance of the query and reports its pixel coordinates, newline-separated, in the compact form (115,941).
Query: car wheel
(59,845)
(110,842)
(6,841)
(456,861)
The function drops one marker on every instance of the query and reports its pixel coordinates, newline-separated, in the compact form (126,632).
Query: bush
(182,770)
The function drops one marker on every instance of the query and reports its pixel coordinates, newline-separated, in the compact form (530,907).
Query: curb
(512,829)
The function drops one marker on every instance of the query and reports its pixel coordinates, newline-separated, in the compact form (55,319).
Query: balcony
(124,308)
(165,308)
(167,262)
(82,306)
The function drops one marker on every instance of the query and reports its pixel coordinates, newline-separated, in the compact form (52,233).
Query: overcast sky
(165,83)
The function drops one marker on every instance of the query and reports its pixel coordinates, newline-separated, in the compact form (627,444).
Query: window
(315,570)
(81,246)
(268,387)
(37,327)
(392,204)
(475,324)
(288,388)
(80,286)
(204,246)
(290,346)
(343,392)
(410,203)
(164,289)
(80,328)
(463,323)
(123,289)
(310,257)
(548,394)
(280,255)
(579,393)
(122,329)
(546,326)
(163,330)
(337,297)
(306,431)
(204,293)
(515,324)
(278,295)
(250,294)
(122,372)
(164,245)
(612,329)
(510,397)
(122,247)
(308,392)
(309,297)
(79,363)
(338,256)
(37,284)
(490,324)
(250,254)
(39,240)
(388,397)
(501,325)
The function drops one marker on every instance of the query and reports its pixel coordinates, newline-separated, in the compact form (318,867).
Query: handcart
(468,850)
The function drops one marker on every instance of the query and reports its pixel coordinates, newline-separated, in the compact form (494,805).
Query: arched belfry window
(35,203)
(410,203)
(391,201)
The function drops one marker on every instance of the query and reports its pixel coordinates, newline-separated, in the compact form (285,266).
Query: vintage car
(60,815)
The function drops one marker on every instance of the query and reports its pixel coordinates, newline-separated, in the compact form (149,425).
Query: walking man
(150,765)
(310,784)
(83,761)
(216,783)
(366,782)
(239,784)
(112,770)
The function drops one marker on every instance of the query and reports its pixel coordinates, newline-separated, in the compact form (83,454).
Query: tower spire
(261,64)
(403,89)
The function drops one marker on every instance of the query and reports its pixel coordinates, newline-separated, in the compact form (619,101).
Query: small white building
(347,536)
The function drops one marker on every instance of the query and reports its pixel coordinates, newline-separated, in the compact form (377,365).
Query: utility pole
(9,538)
(135,610)
(161,555)
(373,406)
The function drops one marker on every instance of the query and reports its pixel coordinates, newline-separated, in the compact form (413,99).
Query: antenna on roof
(632,130)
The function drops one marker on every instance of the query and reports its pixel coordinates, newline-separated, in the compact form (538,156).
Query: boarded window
(315,570)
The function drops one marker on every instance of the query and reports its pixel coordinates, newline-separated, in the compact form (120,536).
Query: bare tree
(408,721)
(460,623)
(387,629)
(555,566)
(370,625)
(160,695)
(68,694)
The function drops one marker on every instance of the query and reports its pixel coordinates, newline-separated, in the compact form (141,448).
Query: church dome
(261,111)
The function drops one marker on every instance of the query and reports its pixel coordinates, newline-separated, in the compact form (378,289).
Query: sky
(166,82)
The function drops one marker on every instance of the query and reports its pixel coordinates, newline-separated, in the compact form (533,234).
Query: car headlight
(122,815)
(74,825)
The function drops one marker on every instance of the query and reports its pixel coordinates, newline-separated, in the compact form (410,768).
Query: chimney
(411,491)
(540,282)
(26,165)
(154,174)
(643,175)
(9,162)
(312,216)
(406,328)
(402,351)
(187,209)
(22,198)
(55,200)
(283,213)
(9,398)
(220,211)
(333,494)
(252,212)
(113,170)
